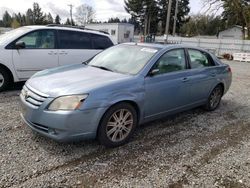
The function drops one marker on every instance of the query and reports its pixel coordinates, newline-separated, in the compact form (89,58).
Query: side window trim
(11,45)
(186,62)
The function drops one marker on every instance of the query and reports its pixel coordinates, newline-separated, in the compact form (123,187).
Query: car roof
(69,28)
(165,46)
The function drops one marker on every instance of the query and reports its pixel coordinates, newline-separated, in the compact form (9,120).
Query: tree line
(149,16)
(33,16)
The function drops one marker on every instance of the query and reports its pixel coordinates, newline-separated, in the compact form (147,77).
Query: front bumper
(62,126)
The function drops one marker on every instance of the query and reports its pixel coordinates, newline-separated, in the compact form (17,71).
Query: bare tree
(84,14)
(212,6)
(235,11)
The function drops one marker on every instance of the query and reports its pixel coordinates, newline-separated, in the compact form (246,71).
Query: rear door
(75,47)
(202,74)
(39,53)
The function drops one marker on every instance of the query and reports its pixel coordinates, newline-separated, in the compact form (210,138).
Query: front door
(39,53)
(168,90)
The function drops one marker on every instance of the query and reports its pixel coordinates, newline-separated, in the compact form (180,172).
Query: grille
(32,97)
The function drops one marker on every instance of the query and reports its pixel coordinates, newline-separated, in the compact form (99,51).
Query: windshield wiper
(103,68)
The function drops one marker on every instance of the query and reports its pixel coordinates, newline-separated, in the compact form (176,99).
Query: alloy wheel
(119,125)
(215,97)
(1,80)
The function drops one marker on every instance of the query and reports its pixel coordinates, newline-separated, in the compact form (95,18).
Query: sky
(104,8)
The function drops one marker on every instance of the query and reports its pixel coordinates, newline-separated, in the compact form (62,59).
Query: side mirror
(153,72)
(20,45)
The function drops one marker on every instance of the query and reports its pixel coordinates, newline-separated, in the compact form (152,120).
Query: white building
(234,32)
(120,32)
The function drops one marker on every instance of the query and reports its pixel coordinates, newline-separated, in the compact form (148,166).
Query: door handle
(63,52)
(51,53)
(185,79)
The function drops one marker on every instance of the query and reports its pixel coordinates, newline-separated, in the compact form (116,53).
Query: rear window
(101,42)
(199,59)
(74,40)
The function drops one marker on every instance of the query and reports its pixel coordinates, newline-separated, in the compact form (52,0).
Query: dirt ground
(192,149)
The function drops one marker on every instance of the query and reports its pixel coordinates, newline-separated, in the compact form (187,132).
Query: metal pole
(175,17)
(168,19)
(71,6)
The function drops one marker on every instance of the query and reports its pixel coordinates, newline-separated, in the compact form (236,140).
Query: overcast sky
(104,8)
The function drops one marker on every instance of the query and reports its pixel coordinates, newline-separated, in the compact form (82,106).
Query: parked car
(29,49)
(120,88)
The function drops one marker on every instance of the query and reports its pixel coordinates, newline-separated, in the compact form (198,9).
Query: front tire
(214,98)
(5,79)
(117,125)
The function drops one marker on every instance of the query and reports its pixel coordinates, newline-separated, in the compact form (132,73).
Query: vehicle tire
(5,79)
(117,125)
(214,98)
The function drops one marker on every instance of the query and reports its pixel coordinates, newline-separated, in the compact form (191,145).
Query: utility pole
(168,19)
(71,18)
(175,17)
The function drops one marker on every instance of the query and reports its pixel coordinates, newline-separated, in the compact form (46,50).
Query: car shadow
(16,86)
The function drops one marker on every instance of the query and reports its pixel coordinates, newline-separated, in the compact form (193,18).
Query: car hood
(76,79)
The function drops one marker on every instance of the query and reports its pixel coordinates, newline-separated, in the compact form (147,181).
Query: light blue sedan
(120,88)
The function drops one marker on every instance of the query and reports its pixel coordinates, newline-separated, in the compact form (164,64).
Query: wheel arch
(217,84)
(2,66)
(131,102)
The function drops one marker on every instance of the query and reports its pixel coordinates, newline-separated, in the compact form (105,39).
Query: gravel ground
(192,149)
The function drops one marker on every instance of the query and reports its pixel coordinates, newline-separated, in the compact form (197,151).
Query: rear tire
(117,125)
(5,79)
(214,98)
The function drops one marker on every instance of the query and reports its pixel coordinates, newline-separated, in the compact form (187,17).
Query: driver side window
(43,39)
(172,61)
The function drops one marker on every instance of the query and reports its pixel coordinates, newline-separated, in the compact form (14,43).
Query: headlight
(72,102)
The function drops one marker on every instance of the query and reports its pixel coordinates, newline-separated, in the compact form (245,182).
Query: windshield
(13,34)
(126,59)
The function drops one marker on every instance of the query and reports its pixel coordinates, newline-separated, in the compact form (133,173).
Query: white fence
(218,46)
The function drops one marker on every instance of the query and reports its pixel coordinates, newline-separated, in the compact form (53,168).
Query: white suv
(29,49)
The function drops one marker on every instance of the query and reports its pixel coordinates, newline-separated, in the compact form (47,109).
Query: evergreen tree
(38,15)
(68,22)
(7,19)
(124,20)
(20,19)
(1,23)
(114,20)
(29,17)
(149,13)
(183,10)
(58,19)
(48,19)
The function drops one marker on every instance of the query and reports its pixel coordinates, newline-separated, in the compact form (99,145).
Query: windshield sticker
(150,50)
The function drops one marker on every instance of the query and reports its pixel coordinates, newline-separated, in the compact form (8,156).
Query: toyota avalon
(120,88)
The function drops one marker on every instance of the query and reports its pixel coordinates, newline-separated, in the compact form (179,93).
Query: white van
(29,49)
